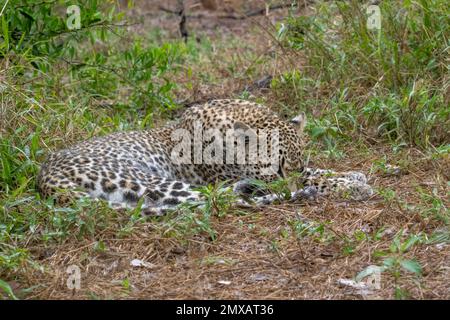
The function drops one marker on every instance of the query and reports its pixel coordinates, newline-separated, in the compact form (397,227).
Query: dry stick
(182,13)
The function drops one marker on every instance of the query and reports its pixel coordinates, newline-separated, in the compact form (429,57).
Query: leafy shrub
(59,85)
(103,60)
(395,78)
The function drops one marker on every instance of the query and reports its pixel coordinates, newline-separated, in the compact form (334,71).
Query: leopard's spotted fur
(125,167)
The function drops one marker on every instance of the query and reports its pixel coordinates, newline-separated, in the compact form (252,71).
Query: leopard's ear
(238,125)
(241,129)
(299,122)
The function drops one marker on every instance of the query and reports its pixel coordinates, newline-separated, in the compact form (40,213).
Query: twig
(162,8)
(48,36)
(182,14)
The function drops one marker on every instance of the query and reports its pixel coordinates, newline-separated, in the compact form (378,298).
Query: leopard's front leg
(310,173)
(314,183)
(342,185)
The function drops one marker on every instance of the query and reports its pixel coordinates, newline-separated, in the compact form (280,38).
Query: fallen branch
(182,13)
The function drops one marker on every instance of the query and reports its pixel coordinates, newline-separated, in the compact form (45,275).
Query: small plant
(325,131)
(195,218)
(302,229)
(382,166)
(434,206)
(351,243)
(387,194)
(6,288)
(188,221)
(219,199)
(441,152)
(12,258)
(394,261)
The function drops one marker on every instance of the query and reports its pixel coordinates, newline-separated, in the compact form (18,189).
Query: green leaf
(395,245)
(412,266)
(389,262)
(27,15)
(379,253)
(412,240)
(7,288)
(126,283)
(369,271)
(401,294)
(317,132)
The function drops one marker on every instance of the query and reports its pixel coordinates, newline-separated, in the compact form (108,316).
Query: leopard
(156,170)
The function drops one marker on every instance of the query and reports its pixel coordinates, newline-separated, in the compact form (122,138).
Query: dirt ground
(257,255)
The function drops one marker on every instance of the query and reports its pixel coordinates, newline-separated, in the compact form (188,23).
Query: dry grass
(257,255)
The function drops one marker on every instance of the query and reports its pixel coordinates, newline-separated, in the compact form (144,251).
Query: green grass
(196,218)
(58,87)
(390,84)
